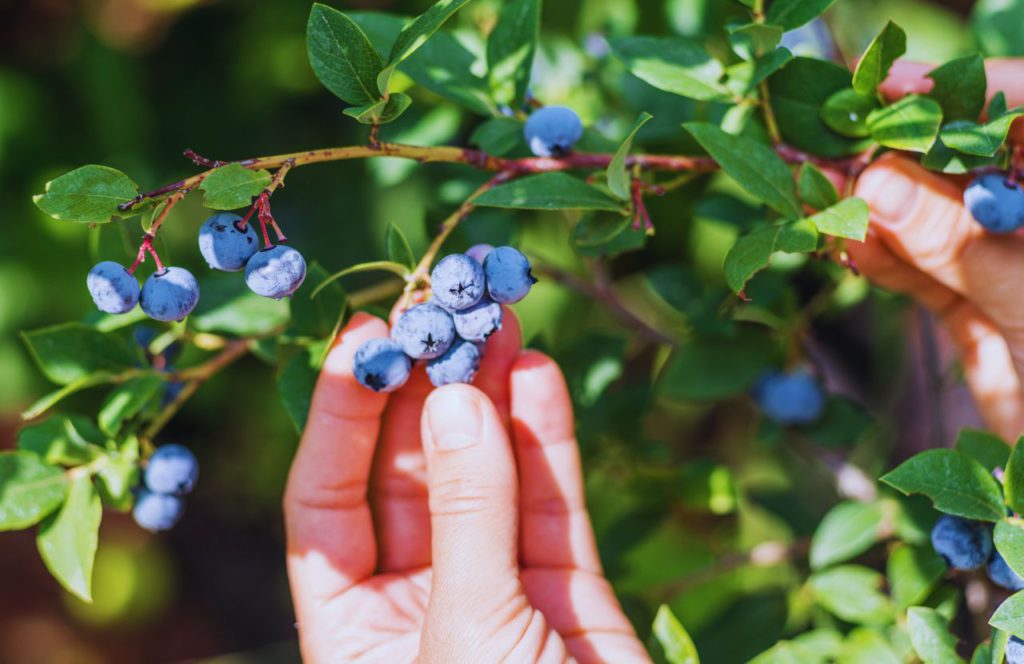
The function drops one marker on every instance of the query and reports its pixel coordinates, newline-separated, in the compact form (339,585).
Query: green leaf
(960,87)
(851,592)
(999,640)
(317,317)
(982,140)
(753,165)
(752,40)
(228,307)
(673,637)
(672,64)
(997,106)
(846,112)
(29,489)
(380,112)
(986,448)
(371,266)
(912,123)
(707,369)
(60,440)
(867,646)
(815,188)
(1009,540)
(127,400)
(913,572)
(414,35)
(548,191)
(848,218)
(944,159)
(753,252)
(89,194)
(847,530)
(1009,616)
(1013,483)
(874,65)
(498,136)
(792,14)
(955,483)
(233,186)
(996,25)
(116,480)
(67,540)
(341,56)
(510,49)
(618,178)
(45,403)
(930,637)
(295,386)
(398,248)
(72,351)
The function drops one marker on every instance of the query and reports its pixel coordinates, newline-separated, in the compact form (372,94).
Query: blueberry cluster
(996,202)
(967,545)
(170,473)
(551,131)
(169,294)
(790,398)
(448,332)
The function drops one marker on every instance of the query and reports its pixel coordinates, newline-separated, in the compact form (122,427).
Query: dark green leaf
(815,188)
(956,484)
(510,48)
(316,317)
(792,14)
(295,385)
(674,640)
(874,65)
(912,123)
(398,248)
(982,140)
(127,400)
(415,35)
(705,369)
(997,106)
(233,186)
(1013,483)
(86,195)
(672,64)
(341,56)
(960,87)
(752,40)
(618,179)
(848,218)
(930,637)
(67,540)
(72,351)
(29,489)
(852,593)
(1009,616)
(753,252)
(847,530)
(547,191)
(944,159)
(986,448)
(846,112)
(228,307)
(498,136)
(913,572)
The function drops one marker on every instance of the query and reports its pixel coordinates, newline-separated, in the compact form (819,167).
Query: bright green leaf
(930,637)
(846,112)
(1009,539)
(60,440)
(672,64)
(89,194)
(848,218)
(955,483)
(815,188)
(342,56)
(382,111)
(29,489)
(912,123)
(752,40)
(913,572)
(67,540)
(127,400)
(618,178)
(852,593)
(982,140)
(1013,483)
(874,65)
(510,49)
(72,351)
(233,186)
(847,530)
(673,637)
(415,35)
(753,252)
(548,191)
(1009,616)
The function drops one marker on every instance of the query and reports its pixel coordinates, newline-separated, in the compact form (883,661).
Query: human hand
(923,242)
(473,545)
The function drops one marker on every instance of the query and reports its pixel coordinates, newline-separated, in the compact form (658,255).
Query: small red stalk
(140,258)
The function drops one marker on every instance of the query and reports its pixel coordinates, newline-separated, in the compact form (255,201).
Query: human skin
(447,525)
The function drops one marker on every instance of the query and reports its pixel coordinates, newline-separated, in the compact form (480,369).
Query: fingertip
(907,77)
(360,328)
(456,416)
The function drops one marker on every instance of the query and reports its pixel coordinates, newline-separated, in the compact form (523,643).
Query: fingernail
(889,192)
(454,417)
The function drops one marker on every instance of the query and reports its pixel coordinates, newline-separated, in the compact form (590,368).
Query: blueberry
(275,272)
(157,511)
(508,275)
(225,245)
(1002,575)
(458,365)
(381,365)
(552,131)
(479,321)
(172,469)
(790,398)
(1014,651)
(113,290)
(996,203)
(457,282)
(424,332)
(478,252)
(962,544)
(170,294)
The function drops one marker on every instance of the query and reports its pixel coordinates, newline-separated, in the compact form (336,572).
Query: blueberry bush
(670,189)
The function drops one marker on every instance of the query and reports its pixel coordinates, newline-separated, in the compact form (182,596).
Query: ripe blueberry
(790,398)
(157,511)
(113,290)
(224,244)
(458,365)
(508,275)
(963,544)
(1014,651)
(381,365)
(1002,574)
(170,294)
(457,282)
(552,131)
(172,469)
(478,252)
(424,332)
(479,321)
(275,272)
(996,203)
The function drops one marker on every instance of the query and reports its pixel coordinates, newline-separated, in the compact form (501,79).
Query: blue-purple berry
(479,321)
(275,272)
(225,245)
(457,282)
(790,398)
(1002,574)
(424,331)
(551,131)
(170,294)
(458,365)
(157,511)
(962,543)
(113,289)
(996,203)
(172,469)
(508,274)
(381,365)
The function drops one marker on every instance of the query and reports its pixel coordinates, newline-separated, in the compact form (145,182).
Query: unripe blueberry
(1002,574)
(381,365)
(963,544)
(157,511)
(457,282)
(478,252)
(424,331)
(552,131)
(172,469)
(170,294)
(275,272)
(790,398)
(996,203)
(224,245)
(113,290)
(1014,651)
(508,275)
(479,321)
(458,365)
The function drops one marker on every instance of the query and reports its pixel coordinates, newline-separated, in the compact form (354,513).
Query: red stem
(140,258)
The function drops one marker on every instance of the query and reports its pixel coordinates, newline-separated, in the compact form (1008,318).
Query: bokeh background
(131,83)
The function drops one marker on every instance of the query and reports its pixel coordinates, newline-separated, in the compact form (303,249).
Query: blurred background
(132,83)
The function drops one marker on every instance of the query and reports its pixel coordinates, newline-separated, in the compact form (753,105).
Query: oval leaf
(87,195)
(233,186)
(341,56)
(547,191)
(956,484)
(29,489)
(67,540)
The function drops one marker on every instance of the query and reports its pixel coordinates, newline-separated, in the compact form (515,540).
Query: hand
(465,547)
(923,242)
